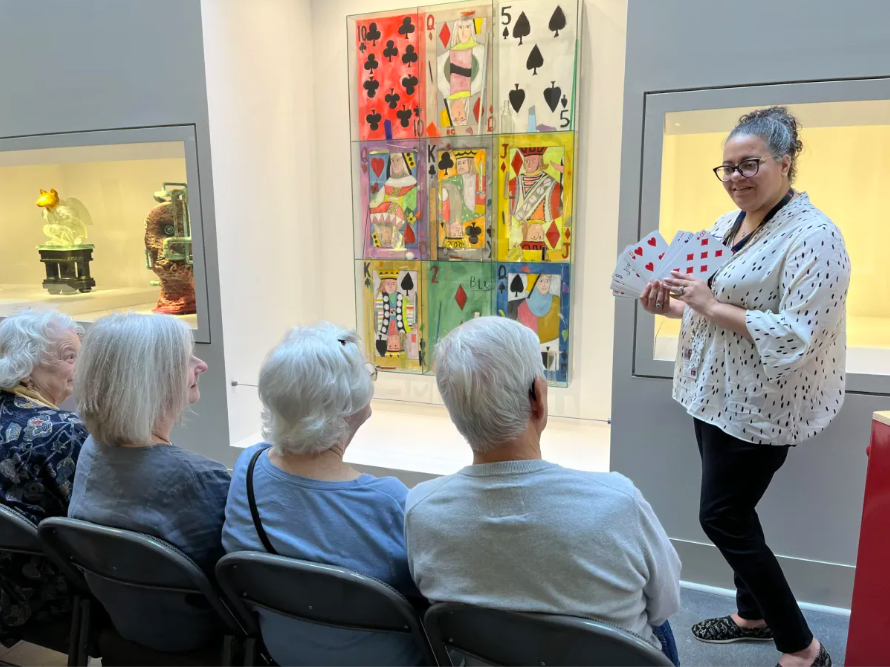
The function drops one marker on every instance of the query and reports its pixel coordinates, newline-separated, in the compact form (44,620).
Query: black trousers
(735,475)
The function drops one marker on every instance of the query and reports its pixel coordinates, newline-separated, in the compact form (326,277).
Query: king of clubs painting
(535,197)
(455,292)
(392,311)
(538,296)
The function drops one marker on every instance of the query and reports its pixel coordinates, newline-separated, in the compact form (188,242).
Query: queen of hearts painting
(393,207)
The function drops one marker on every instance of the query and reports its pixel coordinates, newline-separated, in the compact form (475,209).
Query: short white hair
(485,370)
(26,339)
(132,374)
(310,384)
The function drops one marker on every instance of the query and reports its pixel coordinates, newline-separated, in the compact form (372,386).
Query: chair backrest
(130,559)
(317,593)
(498,637)
(17,533)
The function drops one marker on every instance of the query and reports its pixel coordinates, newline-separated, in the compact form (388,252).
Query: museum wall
(261,72)
(812,510)
(107,65)
(597,179)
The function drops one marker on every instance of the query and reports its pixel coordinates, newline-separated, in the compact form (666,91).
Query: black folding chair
(18,535)
(127,562)
(494,637)
(313,592)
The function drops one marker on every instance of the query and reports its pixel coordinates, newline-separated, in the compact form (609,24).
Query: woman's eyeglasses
(372,371)
(747,168)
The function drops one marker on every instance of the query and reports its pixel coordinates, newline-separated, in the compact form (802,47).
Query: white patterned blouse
(787,384)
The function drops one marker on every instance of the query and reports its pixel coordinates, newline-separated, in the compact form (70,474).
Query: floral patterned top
(39,446)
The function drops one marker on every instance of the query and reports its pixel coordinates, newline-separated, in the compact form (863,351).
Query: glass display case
(842,168)
(462,128)
(96,222)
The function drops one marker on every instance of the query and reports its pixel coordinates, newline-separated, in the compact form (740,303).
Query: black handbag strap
(251,499)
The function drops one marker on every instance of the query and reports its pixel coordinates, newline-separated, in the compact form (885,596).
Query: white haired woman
(316,390)
(136,375)
(39,447)
(513,531)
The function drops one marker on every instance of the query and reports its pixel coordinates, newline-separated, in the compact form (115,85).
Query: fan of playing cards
(697,255)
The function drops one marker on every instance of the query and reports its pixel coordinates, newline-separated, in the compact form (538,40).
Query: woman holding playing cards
(760,365)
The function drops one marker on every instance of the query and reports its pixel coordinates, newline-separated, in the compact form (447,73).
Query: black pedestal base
(67,269)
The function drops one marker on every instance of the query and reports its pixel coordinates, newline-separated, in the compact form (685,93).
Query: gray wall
(812,511)
(110,64)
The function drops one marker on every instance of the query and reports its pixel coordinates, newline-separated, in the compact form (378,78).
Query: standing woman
(760,366)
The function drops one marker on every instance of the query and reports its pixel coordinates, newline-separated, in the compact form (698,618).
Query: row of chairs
(313,592)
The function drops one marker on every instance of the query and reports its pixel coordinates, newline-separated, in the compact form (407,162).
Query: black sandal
(725,631)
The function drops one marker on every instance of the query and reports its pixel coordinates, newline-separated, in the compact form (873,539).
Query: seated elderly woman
(316,392)
(515,532)
(136,375)
(39,446)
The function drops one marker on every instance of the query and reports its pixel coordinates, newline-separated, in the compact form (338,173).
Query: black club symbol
(409,82)
(404,116)
(371,64)
(392,98)
(410,55)
(390,51)
(374,119)
(371,86)
(406,28)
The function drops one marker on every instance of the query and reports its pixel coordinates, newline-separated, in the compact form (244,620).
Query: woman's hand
(656,299)
(693,292)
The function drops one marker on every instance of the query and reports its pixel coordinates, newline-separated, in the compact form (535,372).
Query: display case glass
(102,221)
(843,168)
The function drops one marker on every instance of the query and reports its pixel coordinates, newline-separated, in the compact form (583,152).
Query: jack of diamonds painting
(458,67)
(535,88)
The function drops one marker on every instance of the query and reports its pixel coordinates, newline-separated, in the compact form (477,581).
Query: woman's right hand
(656,299)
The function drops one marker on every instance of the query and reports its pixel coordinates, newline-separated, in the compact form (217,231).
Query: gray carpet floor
(830,629)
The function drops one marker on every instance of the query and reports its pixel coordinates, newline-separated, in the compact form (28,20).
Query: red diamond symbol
(503,166)
(553,235)
(517,163)
(704,241)
(461,297)
(569,235)
(704,268)
(445,35)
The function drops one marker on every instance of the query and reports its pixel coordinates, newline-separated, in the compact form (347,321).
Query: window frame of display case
(146,135)
(656,106)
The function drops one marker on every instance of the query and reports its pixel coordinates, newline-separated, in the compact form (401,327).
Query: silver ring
(658,304)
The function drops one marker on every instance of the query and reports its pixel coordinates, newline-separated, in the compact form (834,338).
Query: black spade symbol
(392,98)
(371,63)
(371,85)
(473,233)
(502,287)
(445,161)
(374,119)
(564,101)
(381,348)
(404,116)
(535,60)
(373,34)
(409,82)
(517,97)
(522,27)
(557,21)
(407,283)
(390,51)
(410,55)
(506,33)
(406,28)
(516,285)
(551,95)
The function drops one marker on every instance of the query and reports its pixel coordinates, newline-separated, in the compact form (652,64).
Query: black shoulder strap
(257,524)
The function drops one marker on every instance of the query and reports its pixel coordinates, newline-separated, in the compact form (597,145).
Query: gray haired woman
(136,375)
(316,389)
(760,366)
(39,447)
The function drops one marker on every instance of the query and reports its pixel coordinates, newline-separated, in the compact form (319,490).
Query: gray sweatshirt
(534,536)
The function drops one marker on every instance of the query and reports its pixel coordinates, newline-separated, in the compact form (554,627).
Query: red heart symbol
(377,165)
(661,255)
(652,241)
(639,251)
(365,168)
(650,266)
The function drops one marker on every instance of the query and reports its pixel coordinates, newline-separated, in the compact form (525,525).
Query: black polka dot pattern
(787,384)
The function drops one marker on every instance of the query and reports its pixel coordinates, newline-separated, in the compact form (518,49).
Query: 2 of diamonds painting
(535,197)
(457,45)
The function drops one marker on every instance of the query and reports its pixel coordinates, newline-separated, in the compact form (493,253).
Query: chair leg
(74,634)
(228,659)
(83,644)
(250,649)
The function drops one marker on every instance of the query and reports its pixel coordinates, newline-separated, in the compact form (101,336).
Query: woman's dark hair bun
(778,128)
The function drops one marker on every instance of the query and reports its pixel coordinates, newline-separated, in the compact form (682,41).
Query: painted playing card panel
(536,65)
(458,68)
(392,314)
(538,296)
(460,197)
(455,292)
(535,197)
(390,88)
(393,208)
